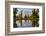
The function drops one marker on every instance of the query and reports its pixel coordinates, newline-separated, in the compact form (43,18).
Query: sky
(27,11)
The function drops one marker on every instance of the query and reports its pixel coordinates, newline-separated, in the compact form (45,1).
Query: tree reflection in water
(24,24)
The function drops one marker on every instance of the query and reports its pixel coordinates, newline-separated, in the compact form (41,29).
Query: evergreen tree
(34,18)
(14,17)
(21,17)
(25,17)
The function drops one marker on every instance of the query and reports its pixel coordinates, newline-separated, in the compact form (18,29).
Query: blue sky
(27,11)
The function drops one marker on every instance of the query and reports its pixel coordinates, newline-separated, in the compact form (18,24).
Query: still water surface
(26,23)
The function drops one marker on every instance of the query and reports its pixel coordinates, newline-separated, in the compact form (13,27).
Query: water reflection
(24,23)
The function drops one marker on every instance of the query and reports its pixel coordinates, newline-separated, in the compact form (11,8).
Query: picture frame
(9,5)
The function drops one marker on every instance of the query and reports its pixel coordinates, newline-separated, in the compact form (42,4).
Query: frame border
(7,16)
